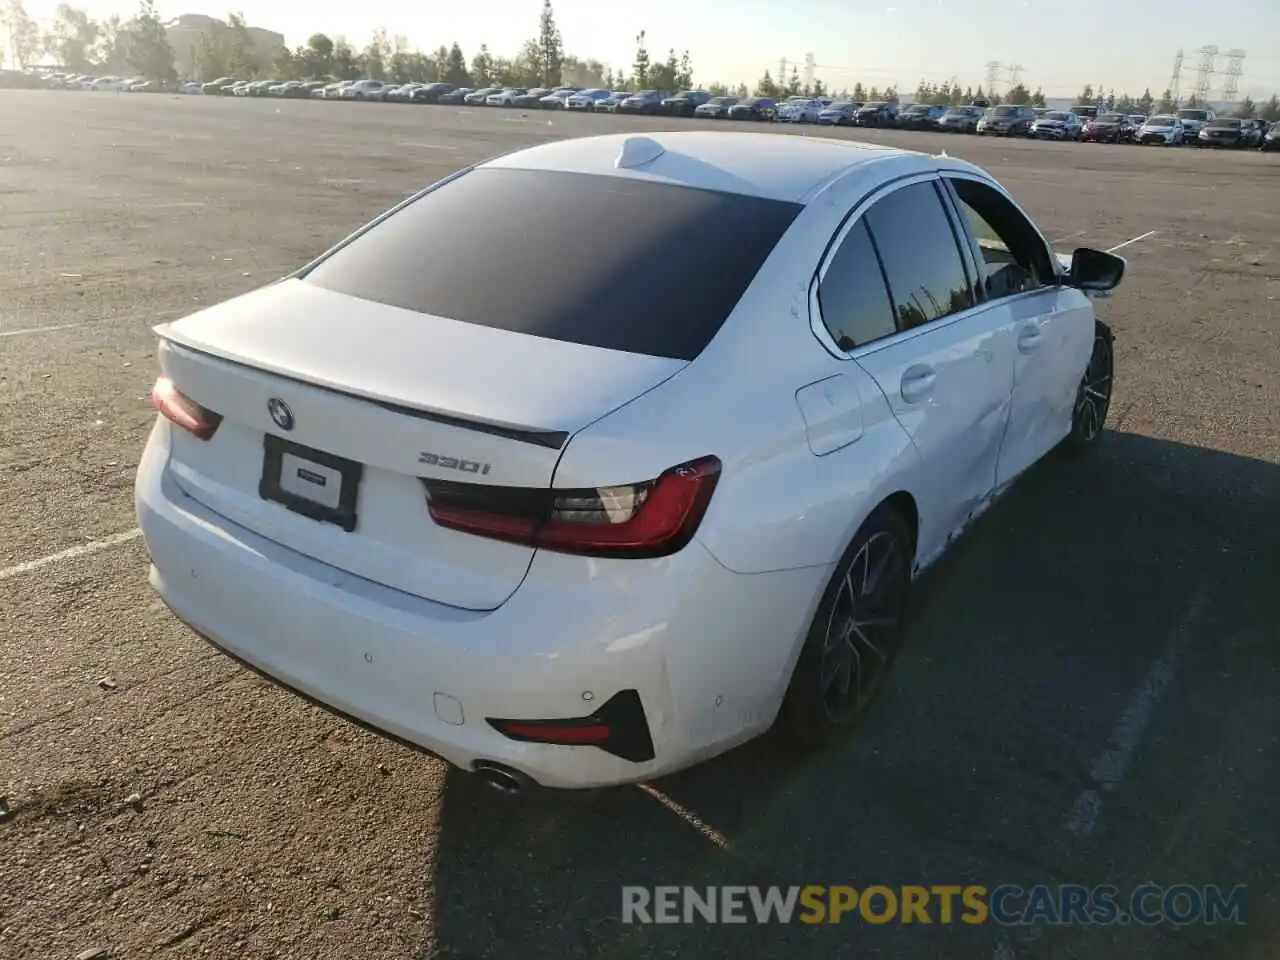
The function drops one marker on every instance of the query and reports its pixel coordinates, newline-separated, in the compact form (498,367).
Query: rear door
(1050,325)
(947,370)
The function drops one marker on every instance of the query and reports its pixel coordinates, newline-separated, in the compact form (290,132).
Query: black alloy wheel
(1093,396)
(856,632)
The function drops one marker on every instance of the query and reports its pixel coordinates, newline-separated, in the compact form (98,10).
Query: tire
(837,676)
(1093,395)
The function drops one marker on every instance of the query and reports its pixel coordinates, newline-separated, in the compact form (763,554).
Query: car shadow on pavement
(1029,639)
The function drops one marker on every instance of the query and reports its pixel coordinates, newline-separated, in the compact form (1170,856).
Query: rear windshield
(659,270)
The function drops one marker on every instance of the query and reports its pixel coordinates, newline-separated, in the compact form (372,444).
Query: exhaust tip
(500,777)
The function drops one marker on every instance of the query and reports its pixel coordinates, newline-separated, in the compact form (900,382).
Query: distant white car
(1165,129)
(192,87)
(800,111)
(636,527)
(555,100)
(364,90)
(586,99)
(116,84)
(505,98)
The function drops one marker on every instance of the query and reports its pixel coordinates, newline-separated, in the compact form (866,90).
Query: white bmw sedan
(583,528)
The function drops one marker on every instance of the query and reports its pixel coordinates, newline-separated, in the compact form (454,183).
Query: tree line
(1148,105)
(82,44)
(139,45)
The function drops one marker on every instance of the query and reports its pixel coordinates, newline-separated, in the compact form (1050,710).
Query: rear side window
(852,296)
(603,261)
(921,259)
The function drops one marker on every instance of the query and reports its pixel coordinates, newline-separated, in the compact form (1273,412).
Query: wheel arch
(903,502)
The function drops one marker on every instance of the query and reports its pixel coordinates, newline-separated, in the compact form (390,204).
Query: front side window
(920,256)
(1013,257)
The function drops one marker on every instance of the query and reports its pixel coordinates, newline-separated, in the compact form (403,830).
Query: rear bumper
(708,651)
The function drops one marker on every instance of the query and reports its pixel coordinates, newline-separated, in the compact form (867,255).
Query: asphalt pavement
(1088,694)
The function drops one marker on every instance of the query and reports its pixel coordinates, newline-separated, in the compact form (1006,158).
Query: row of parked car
(1201,127)
(1085,122)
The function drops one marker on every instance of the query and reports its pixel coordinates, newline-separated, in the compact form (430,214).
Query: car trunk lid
(309,382)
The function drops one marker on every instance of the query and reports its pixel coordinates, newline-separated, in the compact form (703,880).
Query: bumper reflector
(618,727)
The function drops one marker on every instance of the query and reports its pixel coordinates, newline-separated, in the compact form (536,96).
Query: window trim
(965,241)
(818,327)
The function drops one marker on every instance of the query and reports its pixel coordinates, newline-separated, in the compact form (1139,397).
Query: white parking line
(1121,246)
(1109,768)
(151,319)
(56,326)
(72,553)
(708,831)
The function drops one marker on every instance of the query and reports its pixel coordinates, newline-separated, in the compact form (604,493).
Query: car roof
(773,166)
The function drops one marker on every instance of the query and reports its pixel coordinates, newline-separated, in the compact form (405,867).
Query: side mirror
(1095,270)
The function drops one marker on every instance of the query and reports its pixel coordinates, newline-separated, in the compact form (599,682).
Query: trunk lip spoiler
(551,439)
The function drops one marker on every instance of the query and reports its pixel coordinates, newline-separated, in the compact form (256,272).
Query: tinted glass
(854,300)
(1013,257)
(921,260)
(666,264)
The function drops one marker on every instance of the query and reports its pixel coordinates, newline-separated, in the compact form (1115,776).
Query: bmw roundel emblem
(280,413)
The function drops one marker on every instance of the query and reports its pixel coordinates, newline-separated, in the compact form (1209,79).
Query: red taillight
(184,411)
(650,519)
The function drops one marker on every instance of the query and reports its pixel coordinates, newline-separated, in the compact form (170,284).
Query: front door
(948,371)
(1050,325)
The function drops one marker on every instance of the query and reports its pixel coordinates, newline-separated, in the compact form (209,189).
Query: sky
(900,42)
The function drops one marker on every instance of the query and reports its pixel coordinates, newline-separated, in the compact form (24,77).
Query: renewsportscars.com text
(1007,904)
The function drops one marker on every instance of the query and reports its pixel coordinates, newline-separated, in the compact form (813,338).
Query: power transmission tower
(1015,74)
(1204,72)
(1235,67)
(993,75)
(782,72)
(1175,81)
(810,64)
